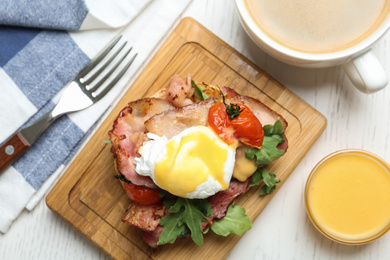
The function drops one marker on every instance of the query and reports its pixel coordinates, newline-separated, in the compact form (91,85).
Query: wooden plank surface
(91,200)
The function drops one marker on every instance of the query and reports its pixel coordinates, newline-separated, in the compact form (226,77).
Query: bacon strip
(128,134)
(221,200)
(151,237)
(145,217)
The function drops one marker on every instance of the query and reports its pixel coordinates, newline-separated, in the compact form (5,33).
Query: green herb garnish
(235,221)
(121,177)
(162,193)
(268,151)
(232,110)
(268,178)
(273,136)
(199,91)
(185,220)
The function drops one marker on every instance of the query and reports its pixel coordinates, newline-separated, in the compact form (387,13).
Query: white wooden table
(282,231)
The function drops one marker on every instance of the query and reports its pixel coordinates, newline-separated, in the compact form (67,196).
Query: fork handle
(12,149)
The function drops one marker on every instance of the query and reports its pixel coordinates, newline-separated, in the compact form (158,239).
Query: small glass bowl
(319,226)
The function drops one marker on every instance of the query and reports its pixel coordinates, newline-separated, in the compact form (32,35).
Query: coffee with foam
(314,26)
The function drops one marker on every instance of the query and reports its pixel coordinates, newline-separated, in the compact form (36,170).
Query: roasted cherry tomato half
(140,194)
(246,127)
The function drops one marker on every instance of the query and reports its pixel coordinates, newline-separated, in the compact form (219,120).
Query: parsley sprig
(232,110)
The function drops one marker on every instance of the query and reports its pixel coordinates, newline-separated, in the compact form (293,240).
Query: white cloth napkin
(43,45)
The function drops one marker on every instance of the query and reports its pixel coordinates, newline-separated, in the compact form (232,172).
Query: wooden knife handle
(12,149)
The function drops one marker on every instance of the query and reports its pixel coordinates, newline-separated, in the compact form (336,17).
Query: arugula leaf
(203,206)
(268,179)
(235,221)
(199,91)
(173,228)
(107,141)
(162,193)
(257,177)
(276,129)
(186,219)
(268,151)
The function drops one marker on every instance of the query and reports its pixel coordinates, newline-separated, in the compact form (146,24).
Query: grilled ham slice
(128,134)
(173,121)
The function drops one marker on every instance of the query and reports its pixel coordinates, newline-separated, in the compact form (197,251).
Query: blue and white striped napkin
(43,45)
(69,14)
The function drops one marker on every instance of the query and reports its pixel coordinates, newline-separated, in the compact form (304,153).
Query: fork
(80,93)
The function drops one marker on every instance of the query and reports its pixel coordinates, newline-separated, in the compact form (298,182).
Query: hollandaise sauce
(348,197)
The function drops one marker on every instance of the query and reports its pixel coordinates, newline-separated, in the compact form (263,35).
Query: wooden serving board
(90,199)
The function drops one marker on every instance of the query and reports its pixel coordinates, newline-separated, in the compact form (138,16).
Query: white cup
(359,62)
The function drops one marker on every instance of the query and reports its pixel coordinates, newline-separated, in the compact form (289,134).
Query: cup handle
(366,73)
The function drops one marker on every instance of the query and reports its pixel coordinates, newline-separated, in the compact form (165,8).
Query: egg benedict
(185,154)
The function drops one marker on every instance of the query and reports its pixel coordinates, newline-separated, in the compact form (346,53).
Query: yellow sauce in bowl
(347,197)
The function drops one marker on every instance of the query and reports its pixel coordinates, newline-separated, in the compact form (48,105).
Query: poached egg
(194,164)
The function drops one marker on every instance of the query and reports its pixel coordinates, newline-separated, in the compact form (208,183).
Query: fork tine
(116,79)
(97,59)
(97,73)
(108,74)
